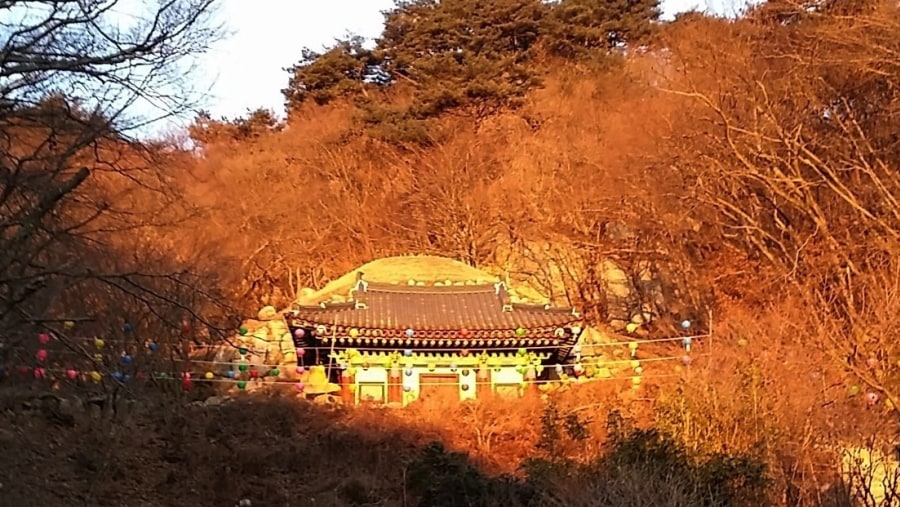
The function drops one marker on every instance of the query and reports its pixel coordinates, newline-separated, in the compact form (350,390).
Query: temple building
(395,343)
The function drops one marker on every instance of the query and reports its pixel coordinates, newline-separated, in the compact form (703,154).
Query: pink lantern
(301,352)
(72,374)
(300,387)
(685,359)
(41,355)
(872,362)
(300,370)
(44,338)
(40,373)
(871,398)
(300,333)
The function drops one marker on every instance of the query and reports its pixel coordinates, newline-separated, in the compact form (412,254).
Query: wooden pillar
(347,394)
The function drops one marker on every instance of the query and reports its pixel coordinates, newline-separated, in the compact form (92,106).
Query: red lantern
(185,327)
(72,374)
(254,374)
(186,383)
(41,355)
(40,373)
(44,338)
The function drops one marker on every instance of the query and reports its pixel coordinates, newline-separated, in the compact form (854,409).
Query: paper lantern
(521,331)
(300,370)
(685,324)
(853,390)
(639,370)
(576,330)
(41,355)
(464,387)
(230,374)
(243,331)
(872,362)
(152,346)
(185,327)
(40,373)
(242,367)
(98,358)
(464,372)
(522,352)
(185,374)
(241,384)
(274,372)
(72,374)
(686,360)
(95,376)
(321,330)
(299,387)
(354,333)
(871,398)
(576,348)
(407,353)
(126,359)
(301,352)
(208,375)
(44,338)
(242,351)
(118,375)
(186,384)
(742,342)
(407,388)
(254,374)
(686,341)
(68,324)
(126,328)
(410,333)
(631,327)
(300,332)
(409,372)
(99,343)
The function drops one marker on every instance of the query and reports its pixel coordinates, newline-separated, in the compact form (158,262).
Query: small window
(371,393)
(507,390)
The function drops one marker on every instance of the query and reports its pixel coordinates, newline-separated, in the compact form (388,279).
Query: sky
(244,71)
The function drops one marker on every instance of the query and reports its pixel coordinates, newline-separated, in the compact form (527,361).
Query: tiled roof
(442,312)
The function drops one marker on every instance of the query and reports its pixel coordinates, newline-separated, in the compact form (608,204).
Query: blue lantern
(127,327)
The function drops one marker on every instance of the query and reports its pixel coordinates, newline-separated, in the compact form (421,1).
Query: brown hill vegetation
(752,161)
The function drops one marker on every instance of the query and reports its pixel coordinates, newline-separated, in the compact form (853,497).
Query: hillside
(594,155)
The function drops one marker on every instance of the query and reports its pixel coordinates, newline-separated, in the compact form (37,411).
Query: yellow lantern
(354,333)
(95,376)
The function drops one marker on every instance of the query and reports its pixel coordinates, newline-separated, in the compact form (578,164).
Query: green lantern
(521,331)
(274,372)
(242,367)
(242,351)
(241,385)
(242,331)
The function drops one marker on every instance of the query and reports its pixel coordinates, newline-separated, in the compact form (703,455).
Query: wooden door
(436,388)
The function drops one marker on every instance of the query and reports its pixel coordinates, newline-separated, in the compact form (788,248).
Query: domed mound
(427,269)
